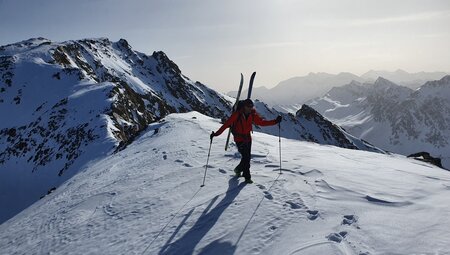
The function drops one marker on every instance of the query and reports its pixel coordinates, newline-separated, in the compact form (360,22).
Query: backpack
(240,105)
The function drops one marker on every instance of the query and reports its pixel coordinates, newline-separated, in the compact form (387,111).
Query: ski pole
(207,160)
(279,141)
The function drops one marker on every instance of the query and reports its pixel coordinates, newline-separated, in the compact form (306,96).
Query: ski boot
(237,172)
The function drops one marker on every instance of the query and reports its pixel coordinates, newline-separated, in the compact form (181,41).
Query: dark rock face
(329,132)
(426,157)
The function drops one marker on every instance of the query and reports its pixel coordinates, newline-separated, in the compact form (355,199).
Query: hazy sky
(214,41)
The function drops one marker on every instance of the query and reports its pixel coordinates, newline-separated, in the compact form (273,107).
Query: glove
(278,119)
(212,135)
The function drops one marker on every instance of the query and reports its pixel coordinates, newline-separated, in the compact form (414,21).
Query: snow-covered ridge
(146,199)
(393,117)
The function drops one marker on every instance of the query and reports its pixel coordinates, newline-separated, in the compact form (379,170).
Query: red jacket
(243,125)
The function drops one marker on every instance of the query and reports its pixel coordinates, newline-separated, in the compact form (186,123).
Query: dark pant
(245,149)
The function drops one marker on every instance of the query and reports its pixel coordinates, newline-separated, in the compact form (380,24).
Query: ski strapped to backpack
(235,107)
(238,103)
(250,85)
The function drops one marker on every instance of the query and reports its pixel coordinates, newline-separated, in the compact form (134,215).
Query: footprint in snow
(268,195)
(337,237)
(187,165)
(312,214)
(272,165)
(165,157)
(294,205)
(261,186)
(349,220)
(179,161)
(222,171)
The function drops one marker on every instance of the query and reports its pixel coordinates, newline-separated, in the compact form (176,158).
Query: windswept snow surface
(147,199)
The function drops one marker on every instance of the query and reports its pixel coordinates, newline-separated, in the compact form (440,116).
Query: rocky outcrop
(426,157)
(329,132)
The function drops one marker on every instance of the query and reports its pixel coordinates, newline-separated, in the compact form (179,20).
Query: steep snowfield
(146,199)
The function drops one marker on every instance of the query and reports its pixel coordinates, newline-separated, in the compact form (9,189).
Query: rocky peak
(309,113)
(320,130)
(164,61)
(14,48)
(382,82)
(124,43)
(444,82)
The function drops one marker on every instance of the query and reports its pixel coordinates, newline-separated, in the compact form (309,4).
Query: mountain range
(404,78)
(393,117)
(289,95)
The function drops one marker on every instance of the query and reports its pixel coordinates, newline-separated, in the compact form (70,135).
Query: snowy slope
(393,117)
(146,199)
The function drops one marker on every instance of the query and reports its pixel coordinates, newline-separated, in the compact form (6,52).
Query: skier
(241,125)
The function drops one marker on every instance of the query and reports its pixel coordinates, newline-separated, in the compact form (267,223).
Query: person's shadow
(186,244)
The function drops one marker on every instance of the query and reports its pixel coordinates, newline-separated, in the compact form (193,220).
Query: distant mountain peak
(401,71)
(383,82)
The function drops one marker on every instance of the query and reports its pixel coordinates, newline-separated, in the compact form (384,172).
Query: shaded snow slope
(146,199)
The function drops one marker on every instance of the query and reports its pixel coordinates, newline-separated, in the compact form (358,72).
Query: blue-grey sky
(214,41)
